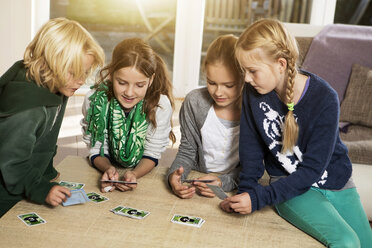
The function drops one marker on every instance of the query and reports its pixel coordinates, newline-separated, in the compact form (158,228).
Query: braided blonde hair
(271,36)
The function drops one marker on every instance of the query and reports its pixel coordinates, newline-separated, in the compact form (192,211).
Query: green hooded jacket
(30,119)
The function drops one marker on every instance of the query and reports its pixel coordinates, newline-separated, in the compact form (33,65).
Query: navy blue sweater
(319,159)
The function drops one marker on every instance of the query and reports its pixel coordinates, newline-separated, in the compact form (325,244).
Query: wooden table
(93,225)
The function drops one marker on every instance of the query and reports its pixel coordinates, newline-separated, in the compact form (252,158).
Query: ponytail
(160,85)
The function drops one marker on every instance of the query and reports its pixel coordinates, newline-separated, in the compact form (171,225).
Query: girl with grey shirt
(209,119)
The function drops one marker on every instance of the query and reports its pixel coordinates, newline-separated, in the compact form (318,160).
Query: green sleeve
(21,170)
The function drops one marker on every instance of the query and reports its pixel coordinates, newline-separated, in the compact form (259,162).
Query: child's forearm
(102,163)
(143,167)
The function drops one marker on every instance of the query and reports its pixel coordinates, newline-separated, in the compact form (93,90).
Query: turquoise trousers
(335,218)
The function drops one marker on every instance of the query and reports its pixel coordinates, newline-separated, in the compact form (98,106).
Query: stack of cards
(188,220)
(31,219)
(130,212)
(78,196)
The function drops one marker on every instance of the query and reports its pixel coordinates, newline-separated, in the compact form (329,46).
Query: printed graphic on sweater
(273,125)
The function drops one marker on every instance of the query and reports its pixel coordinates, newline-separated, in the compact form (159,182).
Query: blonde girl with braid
(127,115)
(289,126)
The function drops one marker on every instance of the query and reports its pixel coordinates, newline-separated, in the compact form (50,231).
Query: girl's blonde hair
(134,52)
(222,50)
(58,49)
(272,37)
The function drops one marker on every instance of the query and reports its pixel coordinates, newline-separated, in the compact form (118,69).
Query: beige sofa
(358,137)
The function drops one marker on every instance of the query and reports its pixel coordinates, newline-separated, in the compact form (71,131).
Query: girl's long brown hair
(134,52)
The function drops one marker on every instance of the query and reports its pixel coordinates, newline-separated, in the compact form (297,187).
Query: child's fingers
(65,191)
(186,195)
(204,189)
(207,194)
(113,175)
(225,205)
(234,199)
(59,197)
(187,192)
(132,186)
(235,205)
(124,187)
(241,210)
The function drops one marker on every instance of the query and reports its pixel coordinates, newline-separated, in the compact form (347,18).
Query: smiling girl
(209,119)
(127,116)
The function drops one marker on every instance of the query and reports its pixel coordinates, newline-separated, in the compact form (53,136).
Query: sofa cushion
(356,106)
(358,140)
(303,46)
(335,49)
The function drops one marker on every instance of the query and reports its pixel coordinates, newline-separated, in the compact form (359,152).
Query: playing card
(197,180)
(130,212)
(95,197)
(117,181)
(71,185)
(217,191)
(117,209)
(78,196)
(31,219)
(188,220)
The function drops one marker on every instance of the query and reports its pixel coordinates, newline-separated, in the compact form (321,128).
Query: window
(111,21)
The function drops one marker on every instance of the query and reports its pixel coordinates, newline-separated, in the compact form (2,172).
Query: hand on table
(57,194)
(238,203)
(182,191)
(110,174)
(203,188)
(129,176)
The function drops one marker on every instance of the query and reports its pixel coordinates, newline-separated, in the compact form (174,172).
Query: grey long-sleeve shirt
(190,156)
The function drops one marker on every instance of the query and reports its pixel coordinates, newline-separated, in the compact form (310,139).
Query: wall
(19,21)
